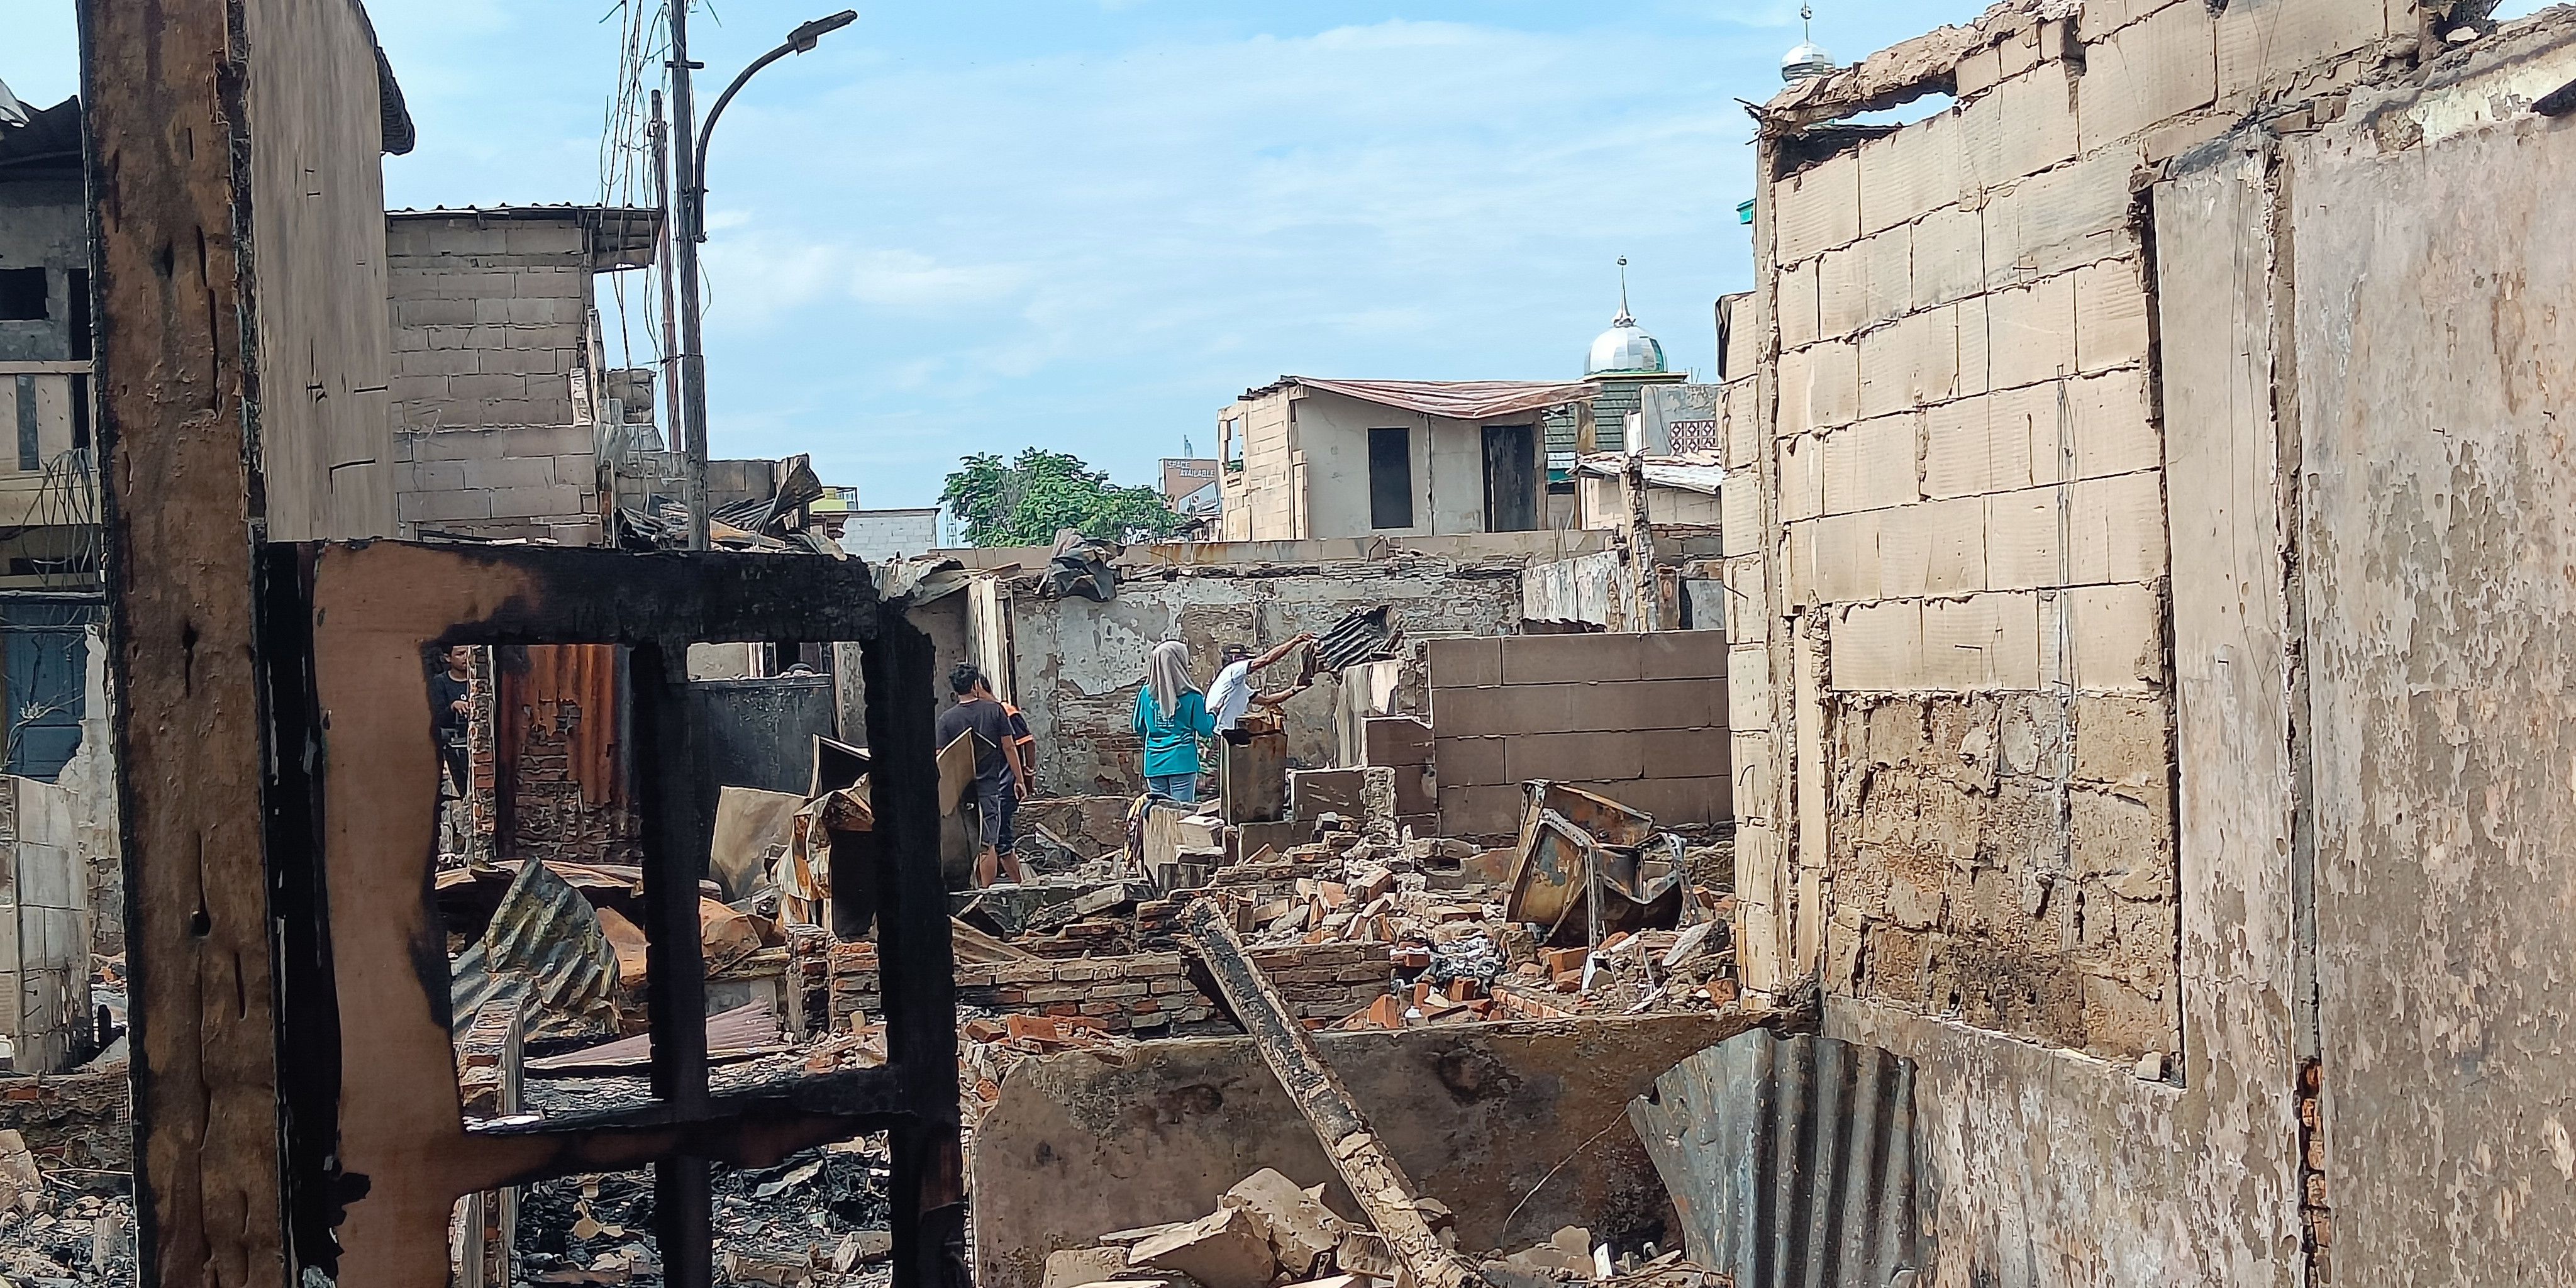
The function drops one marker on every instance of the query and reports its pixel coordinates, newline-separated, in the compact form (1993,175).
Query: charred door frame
(375,1142)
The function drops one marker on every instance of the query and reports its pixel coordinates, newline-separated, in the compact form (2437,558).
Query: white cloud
(1097,251)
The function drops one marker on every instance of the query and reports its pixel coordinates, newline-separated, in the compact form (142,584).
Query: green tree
(1023,502)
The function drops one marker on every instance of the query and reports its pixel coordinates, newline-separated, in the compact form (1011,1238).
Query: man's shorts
(995,807)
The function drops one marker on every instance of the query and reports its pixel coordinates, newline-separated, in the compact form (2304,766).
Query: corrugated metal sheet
(561,694)
(544,938)
(1791,1160)
(1365,635)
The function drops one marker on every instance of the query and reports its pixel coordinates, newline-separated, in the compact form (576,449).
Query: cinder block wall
(1640,718)
(1962,796)
(490,324)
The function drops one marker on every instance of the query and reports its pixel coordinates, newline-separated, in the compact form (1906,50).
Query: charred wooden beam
(372,609)
(1385,1194)
(164,88)
(676,839)
(915,961)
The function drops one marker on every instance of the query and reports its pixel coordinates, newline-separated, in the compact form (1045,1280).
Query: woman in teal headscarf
(1171,717)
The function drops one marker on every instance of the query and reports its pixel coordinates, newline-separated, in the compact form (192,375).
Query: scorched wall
(2161,505)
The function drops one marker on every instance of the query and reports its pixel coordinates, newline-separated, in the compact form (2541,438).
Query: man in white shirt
(1232,694)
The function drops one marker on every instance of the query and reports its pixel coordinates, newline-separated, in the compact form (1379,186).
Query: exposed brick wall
(1143,993)
(1640,718)
(491,375)
(75,1120)
(567,802)
(2010,859)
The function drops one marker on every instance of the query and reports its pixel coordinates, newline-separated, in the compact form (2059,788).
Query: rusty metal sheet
(738,1034)
(1568,838)
(565,693)
(1790,1160)
(1548,879)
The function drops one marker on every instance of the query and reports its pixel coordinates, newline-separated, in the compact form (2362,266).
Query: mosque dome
(1807,60)
(1624,349)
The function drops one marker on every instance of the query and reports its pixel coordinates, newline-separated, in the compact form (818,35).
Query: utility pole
(662,262)
(692,163)
(693,364)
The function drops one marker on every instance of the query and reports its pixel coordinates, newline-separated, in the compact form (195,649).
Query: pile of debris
(816,1220)
(989,1047)
(62,1227)
(1267,1231)
(1594,911)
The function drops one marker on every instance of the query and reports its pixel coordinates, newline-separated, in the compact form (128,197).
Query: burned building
(2132,445)
(2122,762)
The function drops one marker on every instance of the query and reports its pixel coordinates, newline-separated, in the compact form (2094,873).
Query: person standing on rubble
(451,709)
(1171,717)
(1000,777)
(1232,693)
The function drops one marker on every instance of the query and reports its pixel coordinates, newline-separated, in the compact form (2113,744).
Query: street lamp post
(690,158)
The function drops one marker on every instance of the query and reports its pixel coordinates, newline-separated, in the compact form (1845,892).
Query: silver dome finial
(1624,349)
(1809,59)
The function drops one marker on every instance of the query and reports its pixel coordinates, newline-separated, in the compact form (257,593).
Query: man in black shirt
(1001,780)
(450,709)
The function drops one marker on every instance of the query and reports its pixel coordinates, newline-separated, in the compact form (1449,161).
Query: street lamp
(692,156)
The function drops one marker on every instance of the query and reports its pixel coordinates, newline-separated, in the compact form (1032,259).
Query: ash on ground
(816,1220)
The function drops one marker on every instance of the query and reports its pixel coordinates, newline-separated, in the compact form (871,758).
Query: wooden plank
(1385,1194)
(916,965)
(164,86)
(587,595)
(677,837)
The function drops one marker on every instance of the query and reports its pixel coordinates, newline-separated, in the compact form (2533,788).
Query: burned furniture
(378,1153)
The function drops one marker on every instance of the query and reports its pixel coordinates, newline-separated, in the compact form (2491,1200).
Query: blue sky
(1088,224)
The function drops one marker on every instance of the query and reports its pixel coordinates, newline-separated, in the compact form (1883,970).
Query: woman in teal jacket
(1171,717)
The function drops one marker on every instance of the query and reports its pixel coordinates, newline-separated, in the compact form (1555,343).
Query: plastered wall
(2436,378)
(1306,468)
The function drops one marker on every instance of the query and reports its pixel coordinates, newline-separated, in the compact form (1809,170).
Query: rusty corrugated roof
(1449,399)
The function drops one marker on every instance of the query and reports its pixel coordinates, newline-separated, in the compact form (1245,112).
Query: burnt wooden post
(1385,1194)
(913,956)
(163,90)
(677,837)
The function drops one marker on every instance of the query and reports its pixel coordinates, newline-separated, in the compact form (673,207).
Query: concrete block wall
(1640,718)
(492,340)
(1956,754)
